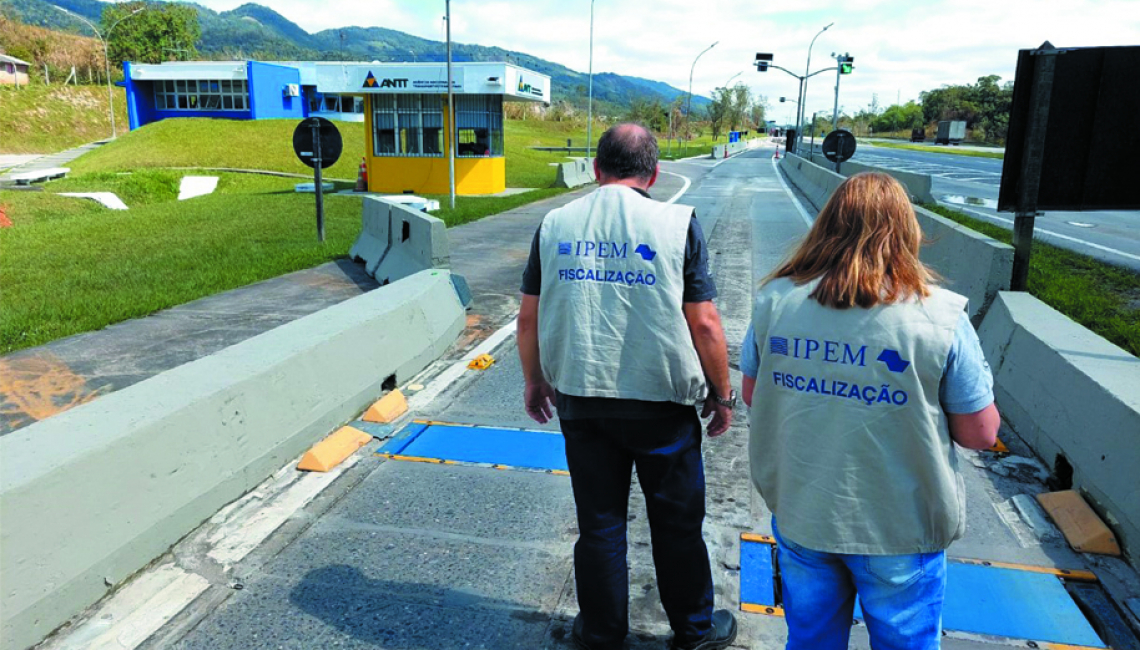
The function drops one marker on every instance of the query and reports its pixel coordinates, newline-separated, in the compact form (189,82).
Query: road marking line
(795,201)
(673,199)
(1050,233)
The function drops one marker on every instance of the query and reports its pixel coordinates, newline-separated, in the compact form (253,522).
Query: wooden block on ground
(1084,530)
(332,451)
(387,408)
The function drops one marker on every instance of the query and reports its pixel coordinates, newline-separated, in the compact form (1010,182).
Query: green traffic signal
(845,68)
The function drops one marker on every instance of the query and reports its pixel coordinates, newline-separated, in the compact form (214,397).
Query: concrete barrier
(396,241)
(576,173)
(970,263)
(92,495)
(1068,392)
(733,148)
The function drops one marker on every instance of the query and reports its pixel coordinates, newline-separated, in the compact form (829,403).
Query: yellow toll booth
(408,127)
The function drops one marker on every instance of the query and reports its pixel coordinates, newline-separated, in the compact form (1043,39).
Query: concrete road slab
(443,569)
(473,501)
(299,618)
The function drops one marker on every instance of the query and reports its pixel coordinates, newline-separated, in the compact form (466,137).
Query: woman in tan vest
(861,376)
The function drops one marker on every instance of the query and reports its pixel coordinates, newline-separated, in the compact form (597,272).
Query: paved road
(19,164)
(409,555)
(971,185)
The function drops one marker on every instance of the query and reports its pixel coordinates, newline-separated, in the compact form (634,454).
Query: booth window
(407,125)
(479,125)
(201,95)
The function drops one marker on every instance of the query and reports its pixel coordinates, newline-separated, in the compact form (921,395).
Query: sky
(900,47)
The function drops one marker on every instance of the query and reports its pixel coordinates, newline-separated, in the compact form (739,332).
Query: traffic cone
(777,152)
(361,178)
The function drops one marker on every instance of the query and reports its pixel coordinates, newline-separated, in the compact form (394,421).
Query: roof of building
(11,59)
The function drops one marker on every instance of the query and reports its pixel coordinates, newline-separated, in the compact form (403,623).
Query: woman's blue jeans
(900,597)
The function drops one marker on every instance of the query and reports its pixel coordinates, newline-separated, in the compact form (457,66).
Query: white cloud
(900,47)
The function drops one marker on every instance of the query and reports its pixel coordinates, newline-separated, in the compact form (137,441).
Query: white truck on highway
(950,132)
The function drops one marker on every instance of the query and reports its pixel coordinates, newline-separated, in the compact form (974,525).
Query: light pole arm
(819,71)
(786,70)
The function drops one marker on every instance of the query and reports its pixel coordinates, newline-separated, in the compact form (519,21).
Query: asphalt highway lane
(971,185)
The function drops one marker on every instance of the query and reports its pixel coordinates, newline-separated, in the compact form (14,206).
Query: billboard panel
(1092,145)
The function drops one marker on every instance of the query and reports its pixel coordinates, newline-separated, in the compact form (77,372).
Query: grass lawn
(1102,297)
(46,119)
(70,265)
(948,150)
(205,142)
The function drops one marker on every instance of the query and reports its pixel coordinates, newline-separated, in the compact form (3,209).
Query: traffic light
(846,64)
(763,60)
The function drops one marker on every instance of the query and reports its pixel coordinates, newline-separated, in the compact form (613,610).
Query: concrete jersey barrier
(576,173)
(732,148)
(396,241)
(970,263)
(92,495)
(1069,393)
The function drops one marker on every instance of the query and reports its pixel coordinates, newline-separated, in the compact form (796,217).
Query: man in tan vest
(617,326)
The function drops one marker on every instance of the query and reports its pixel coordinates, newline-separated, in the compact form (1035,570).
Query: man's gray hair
(627,150)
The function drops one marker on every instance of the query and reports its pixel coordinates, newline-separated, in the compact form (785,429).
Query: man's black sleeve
(532,274)
(699,285)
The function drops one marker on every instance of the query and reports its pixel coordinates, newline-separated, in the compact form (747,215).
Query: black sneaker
(724,633)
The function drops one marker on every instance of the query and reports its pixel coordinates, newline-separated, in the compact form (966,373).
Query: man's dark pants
(601,453)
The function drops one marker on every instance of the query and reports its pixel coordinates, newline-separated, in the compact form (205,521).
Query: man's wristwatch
(730,401)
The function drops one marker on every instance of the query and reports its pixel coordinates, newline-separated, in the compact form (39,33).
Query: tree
(719,111)
(984,106)
(758,112)
(164,31)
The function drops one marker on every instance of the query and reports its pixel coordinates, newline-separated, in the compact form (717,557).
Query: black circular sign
(839,145)
(304,145)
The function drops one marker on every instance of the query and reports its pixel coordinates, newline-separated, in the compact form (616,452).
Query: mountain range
(255,31)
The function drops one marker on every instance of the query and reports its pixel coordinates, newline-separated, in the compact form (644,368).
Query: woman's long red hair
(863,247)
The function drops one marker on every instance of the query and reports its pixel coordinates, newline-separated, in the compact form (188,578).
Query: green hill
(258,32)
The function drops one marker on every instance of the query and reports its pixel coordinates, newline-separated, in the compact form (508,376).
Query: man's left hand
(722,417)
(539,400)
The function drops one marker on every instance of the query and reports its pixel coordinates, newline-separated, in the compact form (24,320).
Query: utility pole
(590,102)
(452,125)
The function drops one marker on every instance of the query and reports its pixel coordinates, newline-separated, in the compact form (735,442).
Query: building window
(320,103)
(201,95)
(479,125)
(407,125)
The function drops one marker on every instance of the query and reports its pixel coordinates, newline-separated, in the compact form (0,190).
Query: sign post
(317,144)
(1045,60)
(839,146)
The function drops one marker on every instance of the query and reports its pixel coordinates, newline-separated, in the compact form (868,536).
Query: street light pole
(689,108)
(590,102)
(106,59)
(453,127)
(838,75)
(803,87)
